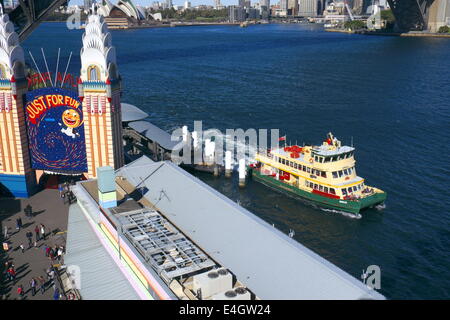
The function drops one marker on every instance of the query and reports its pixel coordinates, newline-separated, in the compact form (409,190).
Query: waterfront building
(187,5)
(307,8)
(217,4)
(241,3)
(264,3)
(292,7)
(183,249)
(284,5)
(252,13)
(236,14)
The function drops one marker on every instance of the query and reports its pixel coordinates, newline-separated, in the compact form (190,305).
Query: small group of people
(39,231)
(40,284)
(54,253)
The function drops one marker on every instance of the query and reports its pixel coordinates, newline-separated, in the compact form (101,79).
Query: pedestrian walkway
(47,209)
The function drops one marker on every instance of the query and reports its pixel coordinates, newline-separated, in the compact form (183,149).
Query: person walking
(20,291)
(41,284)
(30,239)
(59,253)
(22,247)
(5,233)
(18,223)
(12,274)
(47,250)
(56,294)
(37,231)
(33,285)
(42,231)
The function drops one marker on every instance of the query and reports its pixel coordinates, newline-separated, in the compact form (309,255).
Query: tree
(444,29)
(354,25)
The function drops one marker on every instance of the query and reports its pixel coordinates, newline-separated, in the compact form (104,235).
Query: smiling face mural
(71,118)
(56,131)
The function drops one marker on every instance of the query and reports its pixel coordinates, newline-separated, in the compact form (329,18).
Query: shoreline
(391,34)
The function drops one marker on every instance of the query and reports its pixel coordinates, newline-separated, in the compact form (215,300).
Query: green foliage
(444,29)
(195,15)
(354,25)
(388,17)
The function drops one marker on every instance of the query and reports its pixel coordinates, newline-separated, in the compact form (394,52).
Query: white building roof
(154,133)
(264,259)
(101,278)
(132,113)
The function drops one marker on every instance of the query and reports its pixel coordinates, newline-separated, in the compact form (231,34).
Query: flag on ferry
(282,138)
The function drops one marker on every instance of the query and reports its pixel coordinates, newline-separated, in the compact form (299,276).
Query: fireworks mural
(55,131)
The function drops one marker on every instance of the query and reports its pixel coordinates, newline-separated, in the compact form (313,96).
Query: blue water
(392,95)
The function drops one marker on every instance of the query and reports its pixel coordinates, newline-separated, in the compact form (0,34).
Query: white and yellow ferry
(323,174)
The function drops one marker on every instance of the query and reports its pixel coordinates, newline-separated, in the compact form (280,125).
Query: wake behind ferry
(323,174)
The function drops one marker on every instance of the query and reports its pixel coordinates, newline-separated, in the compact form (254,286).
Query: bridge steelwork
(411,15)
(30,13)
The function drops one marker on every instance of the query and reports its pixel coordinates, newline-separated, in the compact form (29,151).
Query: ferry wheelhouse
(323,174)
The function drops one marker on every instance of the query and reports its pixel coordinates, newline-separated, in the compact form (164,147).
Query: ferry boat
(323,174)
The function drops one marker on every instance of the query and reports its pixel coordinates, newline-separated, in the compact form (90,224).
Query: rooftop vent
(213,275)
(230,294)
(223,272)
(240,290)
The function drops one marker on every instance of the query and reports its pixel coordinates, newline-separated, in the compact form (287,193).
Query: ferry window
(295,166)
(359,187)
(335,158)
(346,172)
(355,189)
(304,168)
(332,191)
(283,161)
(335,175)
(315,159)
(324,174)
(325,189)
(315,186)
(308,169)
(327,159)
(292,164)
(340,173)
(344,192)
(321,188)
(349,190)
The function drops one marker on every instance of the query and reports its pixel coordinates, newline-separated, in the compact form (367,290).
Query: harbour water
(390,95)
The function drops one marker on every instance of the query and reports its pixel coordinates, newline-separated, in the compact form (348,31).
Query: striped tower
(99,89)
(16,176)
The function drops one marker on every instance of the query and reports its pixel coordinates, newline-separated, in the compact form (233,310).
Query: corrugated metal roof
(101,278)
(132,113)
(266,260)
(154,133)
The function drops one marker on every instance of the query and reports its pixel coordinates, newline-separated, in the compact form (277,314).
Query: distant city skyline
(175,2)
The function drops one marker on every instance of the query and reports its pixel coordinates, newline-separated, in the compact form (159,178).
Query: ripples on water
(390,94)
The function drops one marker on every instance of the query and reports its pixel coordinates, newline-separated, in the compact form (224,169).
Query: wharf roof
(132,113)
(264,259)
(154,133)
(101,278)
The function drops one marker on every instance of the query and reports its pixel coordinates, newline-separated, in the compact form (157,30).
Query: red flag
(282,138)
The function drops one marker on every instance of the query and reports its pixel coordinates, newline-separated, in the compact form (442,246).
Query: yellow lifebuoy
(311,160)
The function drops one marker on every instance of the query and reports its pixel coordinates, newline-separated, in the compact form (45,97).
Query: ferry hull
(337,204)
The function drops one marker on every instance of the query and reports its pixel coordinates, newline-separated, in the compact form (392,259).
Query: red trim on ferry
(324,194)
